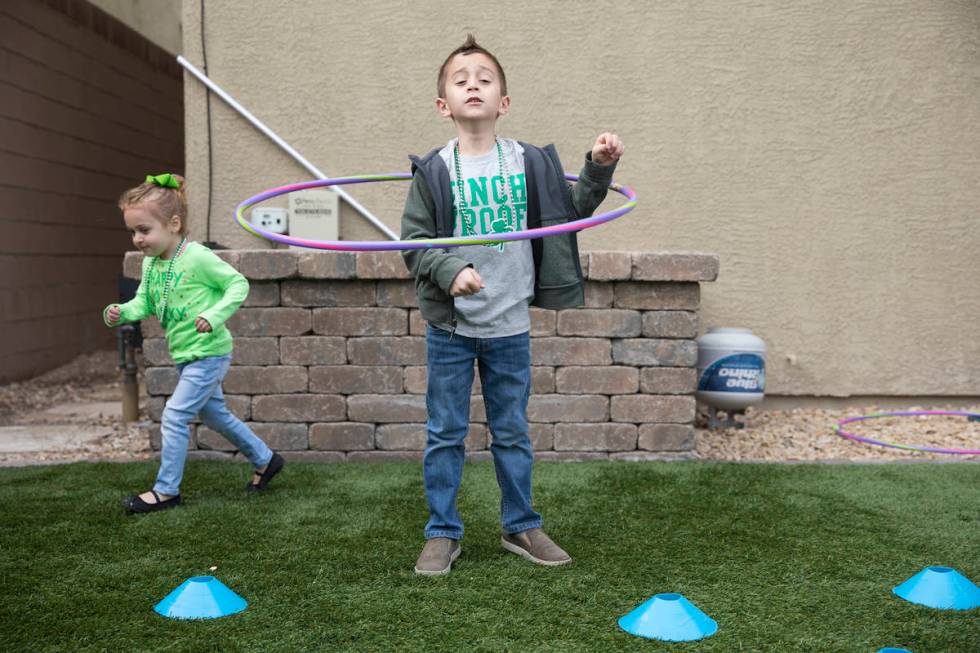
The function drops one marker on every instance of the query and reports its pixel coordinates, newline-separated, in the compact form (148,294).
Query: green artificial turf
(784,557)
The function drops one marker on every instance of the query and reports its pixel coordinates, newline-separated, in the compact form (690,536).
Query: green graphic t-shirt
(495,199)
(201,285)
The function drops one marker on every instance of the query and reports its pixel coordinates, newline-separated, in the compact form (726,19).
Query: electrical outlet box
(314,214)
(272,219)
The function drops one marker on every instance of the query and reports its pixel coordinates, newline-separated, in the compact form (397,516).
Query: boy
(475,298)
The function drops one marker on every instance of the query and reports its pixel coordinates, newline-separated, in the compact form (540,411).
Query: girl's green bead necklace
(162,315)
(460,188)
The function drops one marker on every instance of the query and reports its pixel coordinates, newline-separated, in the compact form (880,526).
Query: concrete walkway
(89,428)
(48,437)
(60,428)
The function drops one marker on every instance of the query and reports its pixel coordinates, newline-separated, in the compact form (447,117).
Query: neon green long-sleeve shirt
(201,285)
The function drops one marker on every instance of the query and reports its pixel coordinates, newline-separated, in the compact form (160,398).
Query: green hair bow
(166,180)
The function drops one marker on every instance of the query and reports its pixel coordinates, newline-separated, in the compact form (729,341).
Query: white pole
(299,158)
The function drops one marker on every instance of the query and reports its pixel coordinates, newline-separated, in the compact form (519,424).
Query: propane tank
(731,369)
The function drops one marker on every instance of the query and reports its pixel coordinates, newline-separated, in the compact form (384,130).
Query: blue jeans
(505,374)
(199,391)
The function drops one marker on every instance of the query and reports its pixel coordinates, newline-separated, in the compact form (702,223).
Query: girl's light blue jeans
(199,392)
(505,374)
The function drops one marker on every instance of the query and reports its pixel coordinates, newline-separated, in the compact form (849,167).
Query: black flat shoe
(135,504)
(274,467)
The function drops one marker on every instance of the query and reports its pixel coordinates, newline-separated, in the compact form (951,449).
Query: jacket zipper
(452,317)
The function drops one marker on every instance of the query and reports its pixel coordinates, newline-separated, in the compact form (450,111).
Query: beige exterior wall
(157,20)
(827,151)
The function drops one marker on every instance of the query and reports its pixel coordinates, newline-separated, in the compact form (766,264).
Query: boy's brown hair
(469,46)
(165,202)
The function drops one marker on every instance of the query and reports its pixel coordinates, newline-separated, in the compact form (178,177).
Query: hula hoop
(374,246)
(913,447)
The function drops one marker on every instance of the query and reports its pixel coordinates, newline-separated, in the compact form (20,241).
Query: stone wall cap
(269,264)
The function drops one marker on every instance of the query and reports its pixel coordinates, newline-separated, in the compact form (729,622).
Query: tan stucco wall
(157,20)
(827,151)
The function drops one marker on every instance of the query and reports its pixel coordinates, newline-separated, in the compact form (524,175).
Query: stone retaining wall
(329,360)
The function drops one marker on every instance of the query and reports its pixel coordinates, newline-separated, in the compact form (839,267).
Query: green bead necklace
(162,316)
(460,187)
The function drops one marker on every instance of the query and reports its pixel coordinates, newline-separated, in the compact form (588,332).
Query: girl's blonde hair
(164,202)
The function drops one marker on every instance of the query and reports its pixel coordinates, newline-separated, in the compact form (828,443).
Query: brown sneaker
(437,557)
(537,547)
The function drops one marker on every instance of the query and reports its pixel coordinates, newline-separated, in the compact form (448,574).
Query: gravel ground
(771,436)
(801,435)
(70,383)
(89,378)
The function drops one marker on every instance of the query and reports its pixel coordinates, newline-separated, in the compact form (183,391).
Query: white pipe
(299,158)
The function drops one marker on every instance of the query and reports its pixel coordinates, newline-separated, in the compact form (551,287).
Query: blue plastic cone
(200,597)
(940,587)
(669,617)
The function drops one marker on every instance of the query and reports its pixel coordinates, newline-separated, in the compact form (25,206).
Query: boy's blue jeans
(505,374)
(199,391)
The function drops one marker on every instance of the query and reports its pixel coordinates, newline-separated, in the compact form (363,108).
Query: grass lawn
(786,558)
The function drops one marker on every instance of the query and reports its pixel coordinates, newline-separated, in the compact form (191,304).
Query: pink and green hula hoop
(912,447)
(374,246)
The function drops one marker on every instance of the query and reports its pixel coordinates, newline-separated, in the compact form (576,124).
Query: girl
(192,292)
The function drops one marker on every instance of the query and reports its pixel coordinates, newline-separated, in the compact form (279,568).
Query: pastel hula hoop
(374,246)
(912,447)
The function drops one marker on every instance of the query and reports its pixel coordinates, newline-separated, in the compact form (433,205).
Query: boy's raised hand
(607,149)
(112,315)
(467,282)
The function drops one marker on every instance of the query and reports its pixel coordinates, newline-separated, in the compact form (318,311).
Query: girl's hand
(112,315)
(607,149)
(202,325)
(467,282)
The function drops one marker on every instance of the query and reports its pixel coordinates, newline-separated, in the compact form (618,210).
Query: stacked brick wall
(329,360)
